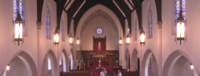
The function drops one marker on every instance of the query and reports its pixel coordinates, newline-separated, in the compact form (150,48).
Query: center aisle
(97,71)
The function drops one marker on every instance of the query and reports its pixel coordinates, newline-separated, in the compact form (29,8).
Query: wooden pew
(77,73)
(124,73)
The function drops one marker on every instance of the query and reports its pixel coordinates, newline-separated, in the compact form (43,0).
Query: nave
(92,37)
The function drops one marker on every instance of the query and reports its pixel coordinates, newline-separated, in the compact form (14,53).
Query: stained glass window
(177,10)
(62,25)
(48,32)
(21,9)
(99,31)
(150,22)
(17,7)
(136,29)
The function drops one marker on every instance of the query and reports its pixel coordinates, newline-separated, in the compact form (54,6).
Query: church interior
(85,37)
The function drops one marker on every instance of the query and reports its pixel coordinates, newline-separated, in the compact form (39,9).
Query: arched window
(17,7)
(135,28)
(150,22)
(49,64)
(48,31)
(63,34)
(177,11)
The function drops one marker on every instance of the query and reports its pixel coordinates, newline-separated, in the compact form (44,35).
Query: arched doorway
(21,65)
(49,65)
(127,57)
(149,64)
(135,61)
(63,61)
(178,64)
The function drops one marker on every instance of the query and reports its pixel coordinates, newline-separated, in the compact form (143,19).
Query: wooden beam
(159,11)
(76,4)
(60,8)
(90,3)
(124,7)
(39,10)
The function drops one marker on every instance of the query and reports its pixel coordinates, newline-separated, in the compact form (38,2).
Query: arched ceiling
(121,8)
(76,8)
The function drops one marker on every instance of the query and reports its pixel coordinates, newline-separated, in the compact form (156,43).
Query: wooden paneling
(110,57)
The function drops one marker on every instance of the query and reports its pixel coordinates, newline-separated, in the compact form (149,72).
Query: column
(159,23)
(39,64)
(141,61)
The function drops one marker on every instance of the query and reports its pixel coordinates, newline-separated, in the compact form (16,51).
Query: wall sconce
(120,41)
(180,26)
(7,67)
(77,41)
(70,40)
(191,66)
(142,38)
(18,33)
(128,39)
(56,37)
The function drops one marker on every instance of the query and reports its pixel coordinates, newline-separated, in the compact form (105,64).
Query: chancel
(99,37)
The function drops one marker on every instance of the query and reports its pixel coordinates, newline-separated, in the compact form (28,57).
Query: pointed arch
(54,65)
(65,60)
(27,60)
(134,59)
(148,60)
(172,58)
(95,8)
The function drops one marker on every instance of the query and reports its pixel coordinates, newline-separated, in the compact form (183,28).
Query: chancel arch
(21,64)
(179,63)
(149,64)
(96,10)
(102,21)
(49,65)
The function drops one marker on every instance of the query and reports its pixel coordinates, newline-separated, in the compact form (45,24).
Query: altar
(99,56)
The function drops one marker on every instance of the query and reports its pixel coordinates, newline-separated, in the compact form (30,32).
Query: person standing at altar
(105,72)
(119,73)
(102,73)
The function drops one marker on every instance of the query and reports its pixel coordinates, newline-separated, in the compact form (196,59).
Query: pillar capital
(39,24)
(159,23)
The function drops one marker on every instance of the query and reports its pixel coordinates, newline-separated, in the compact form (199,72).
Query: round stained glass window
(99,31)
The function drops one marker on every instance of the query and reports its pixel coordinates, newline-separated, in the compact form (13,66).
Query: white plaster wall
(135,44)
(17,68)
(108,30)
(8,49)
(189,47)
(169,45)
(150,43)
